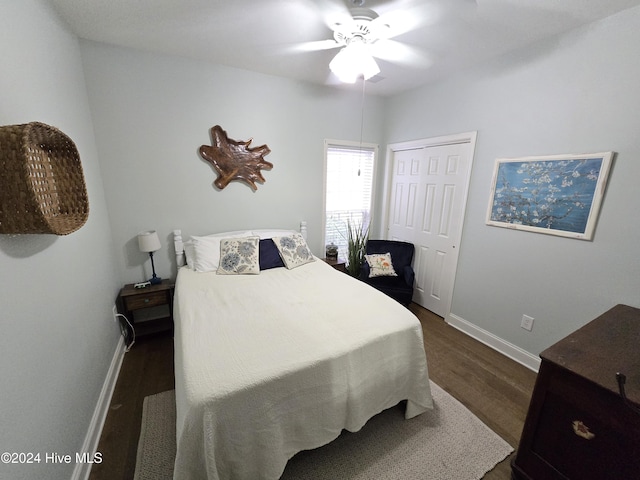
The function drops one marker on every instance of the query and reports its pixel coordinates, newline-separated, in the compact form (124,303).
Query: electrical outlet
(115,313)
(527,322)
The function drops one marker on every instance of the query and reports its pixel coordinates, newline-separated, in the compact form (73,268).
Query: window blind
(348,191)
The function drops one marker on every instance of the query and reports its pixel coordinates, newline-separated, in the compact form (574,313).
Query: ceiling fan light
(353,61)
(342,67)
(368,66)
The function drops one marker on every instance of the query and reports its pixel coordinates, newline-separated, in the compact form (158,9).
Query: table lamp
(149,242)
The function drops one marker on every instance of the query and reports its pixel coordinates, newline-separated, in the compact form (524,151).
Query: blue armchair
(399,288)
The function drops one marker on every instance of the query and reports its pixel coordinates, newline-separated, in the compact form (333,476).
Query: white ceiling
(269,36)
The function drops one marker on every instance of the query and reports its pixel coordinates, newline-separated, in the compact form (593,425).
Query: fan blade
(334,13)
(393,23)
(315,46)
(400,53)
(402,16)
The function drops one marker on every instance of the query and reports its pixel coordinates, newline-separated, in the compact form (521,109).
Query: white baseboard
(90,445)
(507,349)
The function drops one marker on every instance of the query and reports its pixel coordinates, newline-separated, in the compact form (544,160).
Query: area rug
(157,442)
(447,443)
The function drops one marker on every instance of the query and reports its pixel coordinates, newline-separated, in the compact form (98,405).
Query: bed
(271,363)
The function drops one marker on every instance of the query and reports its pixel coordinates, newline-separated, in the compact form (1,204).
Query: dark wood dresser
(578,426)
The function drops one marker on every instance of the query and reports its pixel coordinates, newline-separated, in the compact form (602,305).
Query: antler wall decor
(234,160)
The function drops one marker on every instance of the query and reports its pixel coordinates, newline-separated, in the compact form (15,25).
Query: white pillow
(234,234)
(207,250)
(270,233)
(293,250)
(190,253)
(239,256)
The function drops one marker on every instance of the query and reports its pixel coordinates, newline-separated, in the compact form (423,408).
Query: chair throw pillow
(380,265)
(239,256)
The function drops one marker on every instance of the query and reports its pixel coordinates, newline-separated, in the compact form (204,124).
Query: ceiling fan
(362,34)
(356,39)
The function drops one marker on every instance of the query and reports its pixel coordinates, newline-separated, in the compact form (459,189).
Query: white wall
(576,94)
(58,334)
(153,112)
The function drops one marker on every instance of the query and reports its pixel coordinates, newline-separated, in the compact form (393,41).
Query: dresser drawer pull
(622,379)
(582,430)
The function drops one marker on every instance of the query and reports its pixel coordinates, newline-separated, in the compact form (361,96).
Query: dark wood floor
(146,369)
(492,386)
(495,388)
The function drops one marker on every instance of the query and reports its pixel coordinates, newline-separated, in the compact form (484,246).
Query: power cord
(128,334)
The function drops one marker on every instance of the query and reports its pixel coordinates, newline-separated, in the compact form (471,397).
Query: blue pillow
(269,255)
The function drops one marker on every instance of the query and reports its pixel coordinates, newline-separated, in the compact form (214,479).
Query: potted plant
(357,237)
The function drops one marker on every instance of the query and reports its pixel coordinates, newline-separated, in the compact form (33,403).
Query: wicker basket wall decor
(42,188)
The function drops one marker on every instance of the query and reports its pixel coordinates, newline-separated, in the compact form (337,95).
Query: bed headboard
(178,243)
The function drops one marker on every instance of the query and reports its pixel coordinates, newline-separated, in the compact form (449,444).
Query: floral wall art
(556,195)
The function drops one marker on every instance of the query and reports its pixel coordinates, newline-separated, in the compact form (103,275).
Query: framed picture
(555,195)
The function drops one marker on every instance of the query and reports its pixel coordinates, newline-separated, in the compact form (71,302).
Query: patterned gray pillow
(239,256)
(293,250)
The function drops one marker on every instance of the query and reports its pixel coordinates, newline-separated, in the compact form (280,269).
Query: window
(349,171)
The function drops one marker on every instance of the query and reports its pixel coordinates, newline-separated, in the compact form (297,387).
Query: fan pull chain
(364,81)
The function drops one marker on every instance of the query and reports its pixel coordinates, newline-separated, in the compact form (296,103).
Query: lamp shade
(354,61)
(148,241)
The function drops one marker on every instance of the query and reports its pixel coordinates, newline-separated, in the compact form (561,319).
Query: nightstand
(149,309)
(338,264)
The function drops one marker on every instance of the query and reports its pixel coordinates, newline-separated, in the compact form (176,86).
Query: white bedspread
(268,365)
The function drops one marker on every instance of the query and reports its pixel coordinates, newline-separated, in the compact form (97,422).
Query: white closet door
(428,195)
